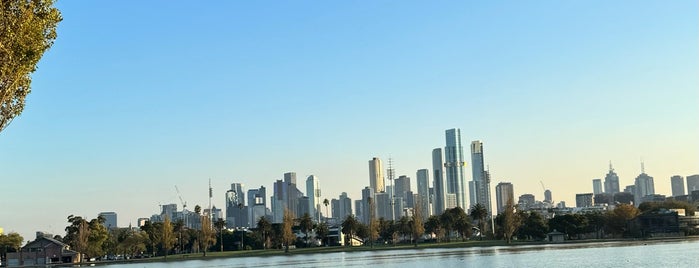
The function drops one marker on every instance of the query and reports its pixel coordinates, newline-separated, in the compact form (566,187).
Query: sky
(136,97)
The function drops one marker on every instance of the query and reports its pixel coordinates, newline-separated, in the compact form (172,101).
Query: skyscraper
(692,183)
(480,186)
(257,205)
(547,197)
(423,192)
(644,186)
(369,203)
(677,183)
(596,186)
(236,212)
(313,193)
(342,207)
(584,200)
(504,191)
(110,220)
(402,186)
(454,165)
(376,179)
(438,184)
(611,181)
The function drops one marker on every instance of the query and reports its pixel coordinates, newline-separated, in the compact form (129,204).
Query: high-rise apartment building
(440,197)
(526,201)
(597,186)
(644,186)
(677,183)
(369,203)
(692,183)
(402,186)
(504,191)
(423,193)
(236,212)
(480,185)
(547,197)
(313,193)
(611,181)
(257,205)
(110,220)
(584,200)
(454,165)
(376,179)
(341,207)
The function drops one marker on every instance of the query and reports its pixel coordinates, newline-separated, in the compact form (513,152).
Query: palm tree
(349,227)
(306,224)
(326,202)
(478,212)
(220,224)
(264,226)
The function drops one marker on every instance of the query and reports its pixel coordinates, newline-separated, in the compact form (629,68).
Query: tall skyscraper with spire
(313,193)
(480,185)
(644,186)
(376,179)
(454,165)
(438,182)
(611,181)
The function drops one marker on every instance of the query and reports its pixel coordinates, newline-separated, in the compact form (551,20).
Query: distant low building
(555,237)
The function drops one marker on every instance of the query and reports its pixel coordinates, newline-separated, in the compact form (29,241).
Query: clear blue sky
(138,96)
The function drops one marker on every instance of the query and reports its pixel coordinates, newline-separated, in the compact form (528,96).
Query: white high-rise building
(376,179)
(454,165)
(480,186)
(596,186)
(313,193)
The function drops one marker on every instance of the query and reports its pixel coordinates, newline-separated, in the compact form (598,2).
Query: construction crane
(184,204)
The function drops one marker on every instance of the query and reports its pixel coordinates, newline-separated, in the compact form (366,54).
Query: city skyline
(122,110)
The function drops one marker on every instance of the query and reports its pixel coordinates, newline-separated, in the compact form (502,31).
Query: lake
(603,254)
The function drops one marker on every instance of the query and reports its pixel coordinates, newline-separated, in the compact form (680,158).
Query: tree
(479,213)
(167,236)
(349,228)
(571,224)
(264,227)
(533,226)
(326,202)
(98,235)
(28,30)
(288,235)
(510,221)
(153,232)
(220,224)
(617,219)
(306,224)
(11,242)
(417,227)
(322,232)
(207,235)
(434,226)
(197,209)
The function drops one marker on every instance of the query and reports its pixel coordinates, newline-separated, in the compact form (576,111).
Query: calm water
(609,254)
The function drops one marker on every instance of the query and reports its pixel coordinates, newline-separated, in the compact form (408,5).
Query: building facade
(313,193)
(611,181)
(423,193)
(597,186)
(677,183)
(584,200)
(454,165)
(376,178)
(438,184)
(504,191)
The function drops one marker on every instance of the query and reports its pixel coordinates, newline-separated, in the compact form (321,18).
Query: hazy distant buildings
(692,183)
(504,191)
(438,183)
(110,219)
(547,197)
(376,179)
(644,186)
(584,200)
(597,186)
(313,193)
(257,205)
(454,165)
(677,183)
(611,181)
(341,207)
(526,201)
(401,187)
(479,187)
(368,203)
(423,192)
(236,211)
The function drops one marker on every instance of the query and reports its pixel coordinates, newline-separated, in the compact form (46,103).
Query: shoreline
(475,244)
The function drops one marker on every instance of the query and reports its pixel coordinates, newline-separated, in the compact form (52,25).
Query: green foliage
(28,30)
(479,213)
(349,227)
(10,243)
(167,236)
(306,224)
(418,228)
(434,226)
(571,224)
(86,237)
(287,235)
(533,226)
(322,232)
(667,204)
